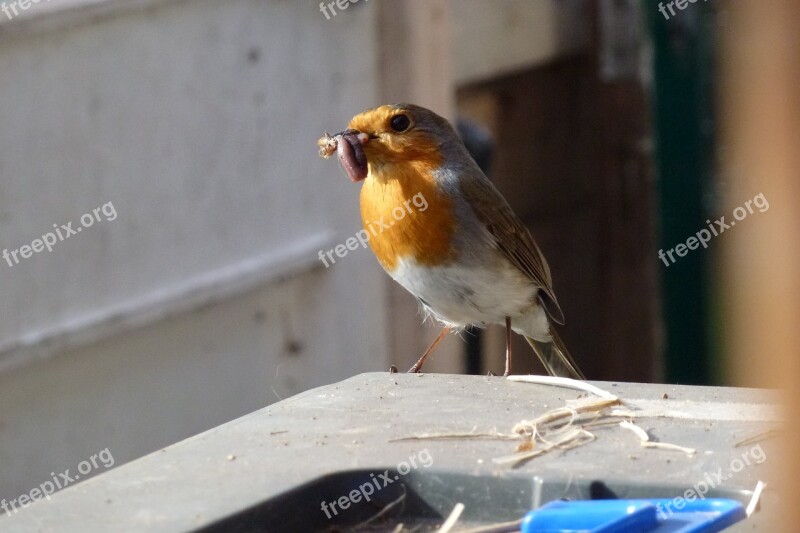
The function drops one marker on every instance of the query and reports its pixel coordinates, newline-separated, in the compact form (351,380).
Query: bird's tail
(555,357)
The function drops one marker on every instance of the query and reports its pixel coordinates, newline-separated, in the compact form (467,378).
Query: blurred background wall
(204,298)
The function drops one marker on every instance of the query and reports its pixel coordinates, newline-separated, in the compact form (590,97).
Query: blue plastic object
(634,516)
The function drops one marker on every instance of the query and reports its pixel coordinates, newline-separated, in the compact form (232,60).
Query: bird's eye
(400,123)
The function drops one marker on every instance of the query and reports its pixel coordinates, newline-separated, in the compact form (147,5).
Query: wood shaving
(390,506)
(452,519)
(758,437)
(563,382)
(647,443)
(490,435)
(753,505)
(569,439)
(568,427)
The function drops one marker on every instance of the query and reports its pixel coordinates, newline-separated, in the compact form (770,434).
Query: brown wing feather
(512,237)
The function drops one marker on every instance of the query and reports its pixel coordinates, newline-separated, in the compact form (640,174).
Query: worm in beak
(348,146)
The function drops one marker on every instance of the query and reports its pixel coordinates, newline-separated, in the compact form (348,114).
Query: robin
(467,258)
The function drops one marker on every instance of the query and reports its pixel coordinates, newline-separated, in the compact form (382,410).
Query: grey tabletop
(372,423)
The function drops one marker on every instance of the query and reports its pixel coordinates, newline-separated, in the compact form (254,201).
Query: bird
(467,258)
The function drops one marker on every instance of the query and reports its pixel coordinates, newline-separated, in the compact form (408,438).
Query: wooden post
(761,112)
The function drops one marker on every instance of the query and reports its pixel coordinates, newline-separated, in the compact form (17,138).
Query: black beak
(351,131)
(347,132)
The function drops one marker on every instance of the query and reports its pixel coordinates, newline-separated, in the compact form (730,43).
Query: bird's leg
(418,365)
(508,347)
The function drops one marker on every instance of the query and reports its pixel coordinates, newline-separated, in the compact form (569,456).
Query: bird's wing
(512,238)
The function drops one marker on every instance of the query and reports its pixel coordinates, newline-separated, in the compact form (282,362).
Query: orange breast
(418,220)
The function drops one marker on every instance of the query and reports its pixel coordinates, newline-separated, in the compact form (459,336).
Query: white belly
(462,296)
